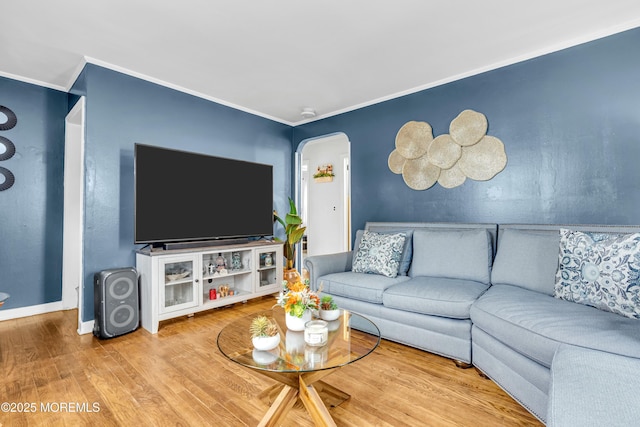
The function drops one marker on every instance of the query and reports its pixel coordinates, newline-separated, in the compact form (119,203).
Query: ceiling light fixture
(308,113)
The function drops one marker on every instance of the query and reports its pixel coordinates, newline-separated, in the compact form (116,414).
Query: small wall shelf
(323,179)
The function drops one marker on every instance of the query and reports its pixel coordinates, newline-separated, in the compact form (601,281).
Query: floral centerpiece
(298,300)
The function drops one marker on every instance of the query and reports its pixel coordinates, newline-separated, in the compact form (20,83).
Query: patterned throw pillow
(379,253)
(600,270)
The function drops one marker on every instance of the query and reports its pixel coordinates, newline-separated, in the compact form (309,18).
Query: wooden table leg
(308,387)
(315,407)
(282,405)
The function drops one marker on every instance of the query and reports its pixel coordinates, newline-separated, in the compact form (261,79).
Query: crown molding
(557,47)
(32,81)
(179,88)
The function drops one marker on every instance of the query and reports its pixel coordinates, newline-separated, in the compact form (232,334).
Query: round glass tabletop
(350,338)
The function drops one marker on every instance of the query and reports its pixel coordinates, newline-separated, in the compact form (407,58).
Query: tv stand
(204,243)
(181,282)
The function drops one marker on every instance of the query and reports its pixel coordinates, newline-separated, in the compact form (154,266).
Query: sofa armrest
(320,265)
(592,388)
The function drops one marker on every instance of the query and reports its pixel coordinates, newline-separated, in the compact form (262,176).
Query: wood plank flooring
(179,378)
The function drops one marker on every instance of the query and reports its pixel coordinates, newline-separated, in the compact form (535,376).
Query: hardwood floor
(178,377)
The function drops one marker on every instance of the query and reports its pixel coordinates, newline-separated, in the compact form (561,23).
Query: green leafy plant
(327,303)
(294,231)
(262,326)
(323,174)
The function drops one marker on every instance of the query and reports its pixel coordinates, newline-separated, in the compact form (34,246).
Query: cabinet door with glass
(179,283)
(269,269)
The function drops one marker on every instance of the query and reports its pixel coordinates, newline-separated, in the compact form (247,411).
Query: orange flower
(297,297)
(297,287)
(291,301)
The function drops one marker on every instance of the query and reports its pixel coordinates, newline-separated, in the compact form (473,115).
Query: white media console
(181,282)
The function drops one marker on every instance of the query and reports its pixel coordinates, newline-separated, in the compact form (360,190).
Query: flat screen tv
(189,197)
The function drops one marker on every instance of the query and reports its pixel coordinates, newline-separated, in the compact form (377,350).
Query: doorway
(73,221)
(324,202)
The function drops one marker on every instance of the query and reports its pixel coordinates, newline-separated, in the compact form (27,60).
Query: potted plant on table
(264,333)
(298,301)
(329,310)
(294,231)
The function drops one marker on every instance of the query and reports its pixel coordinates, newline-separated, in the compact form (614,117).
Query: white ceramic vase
(295,323)
(294,342)
(330,315)
(266,343)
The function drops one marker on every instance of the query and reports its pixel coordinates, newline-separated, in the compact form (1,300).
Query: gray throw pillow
(379,253)
(407,249)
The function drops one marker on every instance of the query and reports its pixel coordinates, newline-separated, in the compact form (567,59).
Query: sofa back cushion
(453,254)
(527,258)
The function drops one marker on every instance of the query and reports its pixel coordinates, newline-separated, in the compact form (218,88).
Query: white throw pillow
(600,270)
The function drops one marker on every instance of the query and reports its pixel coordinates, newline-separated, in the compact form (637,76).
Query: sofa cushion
(535,324)
(435,296)
(528,259)
(407,249)
(379,254)
(453,254)
(360,286)
(601,270)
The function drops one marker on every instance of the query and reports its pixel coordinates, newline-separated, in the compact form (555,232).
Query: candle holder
(316,333)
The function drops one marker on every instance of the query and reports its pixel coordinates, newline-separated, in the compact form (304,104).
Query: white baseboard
(85,327)
(32,310)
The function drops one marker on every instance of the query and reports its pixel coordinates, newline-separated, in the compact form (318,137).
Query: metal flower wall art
(449,159)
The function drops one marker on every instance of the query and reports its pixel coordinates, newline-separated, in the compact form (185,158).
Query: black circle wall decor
(8,179)
(9,148)
(11,118)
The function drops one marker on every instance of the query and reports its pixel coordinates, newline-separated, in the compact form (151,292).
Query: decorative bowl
(329,315)
(265,343)
(177,276)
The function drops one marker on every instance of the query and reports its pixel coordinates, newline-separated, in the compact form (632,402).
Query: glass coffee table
(299,367)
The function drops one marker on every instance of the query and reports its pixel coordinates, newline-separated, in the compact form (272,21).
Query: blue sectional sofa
(484,294)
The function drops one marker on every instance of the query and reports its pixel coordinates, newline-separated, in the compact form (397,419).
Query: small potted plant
(328,308)
(264,333)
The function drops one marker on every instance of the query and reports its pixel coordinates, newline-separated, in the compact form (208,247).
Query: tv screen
(182,196)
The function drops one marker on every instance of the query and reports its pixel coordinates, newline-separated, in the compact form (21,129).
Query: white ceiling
(275,57)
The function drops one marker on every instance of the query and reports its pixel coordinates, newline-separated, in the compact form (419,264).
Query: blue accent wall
(570,122)
(31,210)
(122,110)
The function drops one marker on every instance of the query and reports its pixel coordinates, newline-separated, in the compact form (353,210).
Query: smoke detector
(308,113)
